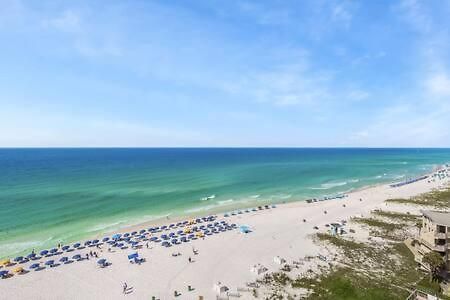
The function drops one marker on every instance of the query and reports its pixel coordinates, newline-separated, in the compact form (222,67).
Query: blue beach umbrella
(116,236)
(126,234)
(153,238)
(95,241)
(31,255)
(35,266)
(44,252)
(76,245)
(142,231)
(87,243)
(76,257)
(53,251)
(50,262)
(3,273)
(101,261)
(64,259)
(18,258)
(105,239)
(65,248)
(134,233)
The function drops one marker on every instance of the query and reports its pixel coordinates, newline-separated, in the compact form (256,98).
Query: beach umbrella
(18,258)
(174,241)
(101,261)
(87,243)
(134,233)
(53,251)
(76,245)
(116,236)
(3,273)
(126,234)
(44,252)
(77,257)
(105,239)
(18,270)
(95,241)
(153,238)
(64,259)
(31,255)
(142,231)
(65,248)
(50,262)
(5,262)
(35,266)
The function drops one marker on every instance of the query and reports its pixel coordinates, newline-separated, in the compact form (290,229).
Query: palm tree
(434,261)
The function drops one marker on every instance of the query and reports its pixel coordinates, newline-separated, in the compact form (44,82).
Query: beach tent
(258,269)
(219,288)
(279,260)
(244,229)
(133,255)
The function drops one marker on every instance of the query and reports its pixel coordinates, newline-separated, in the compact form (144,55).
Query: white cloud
(341,13)
(358,95)
(414,13)
(68,21)
(438,84)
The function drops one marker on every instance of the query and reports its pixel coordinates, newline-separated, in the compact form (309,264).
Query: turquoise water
(49,196)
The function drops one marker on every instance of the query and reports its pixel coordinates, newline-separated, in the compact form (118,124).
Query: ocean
(49,196)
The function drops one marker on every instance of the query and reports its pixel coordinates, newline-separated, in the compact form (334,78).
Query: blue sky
(225,73)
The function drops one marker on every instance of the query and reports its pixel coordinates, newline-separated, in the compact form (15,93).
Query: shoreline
(221,209)
(227,257)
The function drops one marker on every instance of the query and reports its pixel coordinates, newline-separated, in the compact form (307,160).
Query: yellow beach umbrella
(191,222)
(199,234)
(187,230)
(18,270)
(5,262)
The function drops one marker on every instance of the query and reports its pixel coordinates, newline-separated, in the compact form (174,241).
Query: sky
(224,73)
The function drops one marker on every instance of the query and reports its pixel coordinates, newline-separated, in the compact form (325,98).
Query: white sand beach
(226,257)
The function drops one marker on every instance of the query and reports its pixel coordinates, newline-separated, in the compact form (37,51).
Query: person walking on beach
(125,287)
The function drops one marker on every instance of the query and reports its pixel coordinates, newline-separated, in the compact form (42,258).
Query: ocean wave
(102,227)
(225,202)
(255,196)
(17,247)
(353,180)
(199,209)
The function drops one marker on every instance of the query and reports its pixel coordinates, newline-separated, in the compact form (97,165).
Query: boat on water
(208,198)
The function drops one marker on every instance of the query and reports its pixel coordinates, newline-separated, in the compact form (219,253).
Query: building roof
(438,217)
